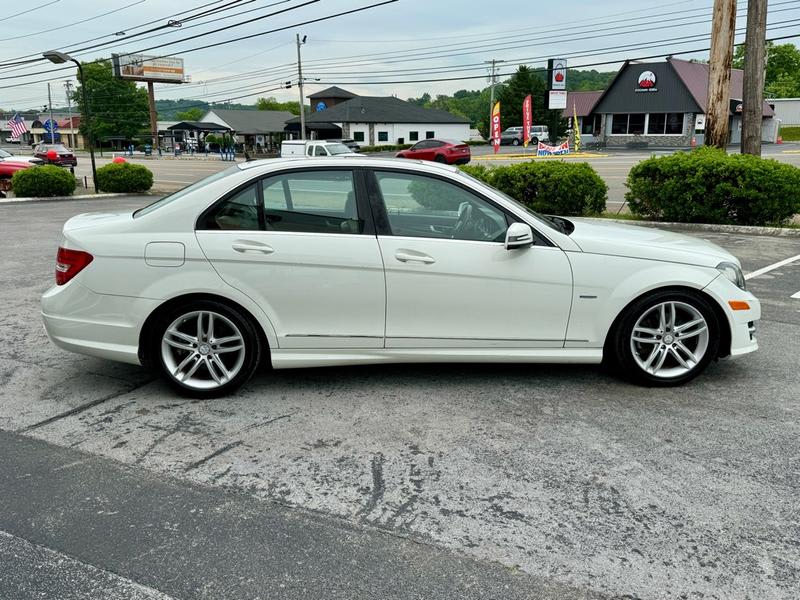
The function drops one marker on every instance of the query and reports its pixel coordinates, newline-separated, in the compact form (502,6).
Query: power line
(30,10)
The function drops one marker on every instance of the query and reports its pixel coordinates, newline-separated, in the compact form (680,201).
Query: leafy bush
(124,177)
(44,181)
(386,148)
(551,187)
(710,186)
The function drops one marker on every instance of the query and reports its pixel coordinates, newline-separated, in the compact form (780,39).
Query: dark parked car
(444,151)
(64,158)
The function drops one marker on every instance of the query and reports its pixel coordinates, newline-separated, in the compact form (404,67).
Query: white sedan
(341,261)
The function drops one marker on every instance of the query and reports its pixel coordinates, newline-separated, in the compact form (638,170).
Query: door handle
(413,256)
(243,247)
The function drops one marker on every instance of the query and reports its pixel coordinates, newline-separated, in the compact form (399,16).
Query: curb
(710,227)
(80,197)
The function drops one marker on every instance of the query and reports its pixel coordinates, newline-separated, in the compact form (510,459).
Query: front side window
(311,202)
(383,136)
(420,206)
(320,151)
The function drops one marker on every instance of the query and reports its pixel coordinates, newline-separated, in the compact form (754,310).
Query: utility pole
(754,67)
(70,136)
(723,26)
(151,101)
(52,122)
(492,82)
(300,87)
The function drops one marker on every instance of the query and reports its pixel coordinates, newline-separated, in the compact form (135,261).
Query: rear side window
(237,212)
(311,202)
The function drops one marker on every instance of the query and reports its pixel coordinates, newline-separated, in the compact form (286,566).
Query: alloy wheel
(669,339)
(203,350)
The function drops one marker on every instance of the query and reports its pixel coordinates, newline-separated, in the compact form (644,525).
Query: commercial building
(376,120)
(254,130)
(660,104)
(787,111)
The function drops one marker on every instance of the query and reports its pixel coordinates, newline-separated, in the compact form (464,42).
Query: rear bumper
(79,320)
(460,160)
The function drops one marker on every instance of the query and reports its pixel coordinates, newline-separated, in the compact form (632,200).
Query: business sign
(646,82)
(50,125)
(557,100)
(527,119)
(495,127)
(321,106)
(548,150)
(557,68)
(140,67)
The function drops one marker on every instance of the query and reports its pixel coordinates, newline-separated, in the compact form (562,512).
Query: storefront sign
(647,82)
(557,100)
(527,119)
(495,127)
(547,150)
(558,73)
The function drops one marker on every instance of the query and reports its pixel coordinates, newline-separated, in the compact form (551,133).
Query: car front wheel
(205,349)
(666,338)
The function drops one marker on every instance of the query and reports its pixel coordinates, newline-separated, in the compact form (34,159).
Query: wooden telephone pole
(723,26)
(754,67)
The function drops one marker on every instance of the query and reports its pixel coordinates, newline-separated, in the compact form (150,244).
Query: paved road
(613,166)
(563,477)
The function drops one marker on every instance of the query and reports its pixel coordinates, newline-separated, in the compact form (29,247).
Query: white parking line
(771,267)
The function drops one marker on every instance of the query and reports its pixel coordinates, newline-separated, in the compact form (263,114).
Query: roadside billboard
(140,67)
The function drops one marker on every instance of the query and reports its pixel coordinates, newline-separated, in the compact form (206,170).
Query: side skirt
(295,358)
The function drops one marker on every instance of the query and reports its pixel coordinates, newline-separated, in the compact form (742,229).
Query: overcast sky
(451,38)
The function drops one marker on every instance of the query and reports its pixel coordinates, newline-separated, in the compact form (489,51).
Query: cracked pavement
(559,473)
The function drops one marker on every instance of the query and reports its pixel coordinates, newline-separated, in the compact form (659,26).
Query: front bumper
(742,323)
(79,320)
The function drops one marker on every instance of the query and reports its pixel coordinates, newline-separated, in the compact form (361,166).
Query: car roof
(353,160)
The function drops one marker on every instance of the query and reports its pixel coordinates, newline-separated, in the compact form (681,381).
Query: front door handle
(414,256)
(243,247)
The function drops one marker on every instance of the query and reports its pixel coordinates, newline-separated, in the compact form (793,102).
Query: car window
(237,212)
(310,150)
(320,151)
(421,145)
(311,202)
(436,144)
(421,206)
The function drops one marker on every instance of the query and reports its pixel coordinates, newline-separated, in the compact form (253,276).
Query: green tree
(513,92)
(785,86)
(190,114)
(783,64)
(272,103)
(118,107)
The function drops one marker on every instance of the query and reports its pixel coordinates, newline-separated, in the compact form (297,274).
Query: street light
(56,57)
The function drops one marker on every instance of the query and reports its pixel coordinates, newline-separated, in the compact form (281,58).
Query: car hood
(96,219)
(648,243)
(22,159)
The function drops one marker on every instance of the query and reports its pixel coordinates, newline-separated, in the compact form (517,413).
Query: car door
(302,244)
(450,282)
(417,150)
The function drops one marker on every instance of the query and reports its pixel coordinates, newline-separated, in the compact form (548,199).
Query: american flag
(17,125)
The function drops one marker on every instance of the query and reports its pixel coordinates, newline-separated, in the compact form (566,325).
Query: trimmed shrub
(708,185)
(42,182)
(551,187)
(386,148)
(124,177)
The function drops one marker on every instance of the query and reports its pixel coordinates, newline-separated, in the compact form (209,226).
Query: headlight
(732,272)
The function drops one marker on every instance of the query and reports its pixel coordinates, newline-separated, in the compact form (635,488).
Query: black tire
(535,141)
(440,159)
(619,349)
(515,141)
(153,356)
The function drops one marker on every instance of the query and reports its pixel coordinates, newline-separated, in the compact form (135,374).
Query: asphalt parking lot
(489,481)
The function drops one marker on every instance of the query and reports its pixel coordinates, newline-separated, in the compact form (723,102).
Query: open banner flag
(527,120)
(495,127)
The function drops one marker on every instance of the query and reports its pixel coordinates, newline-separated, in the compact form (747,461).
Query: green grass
(790,134)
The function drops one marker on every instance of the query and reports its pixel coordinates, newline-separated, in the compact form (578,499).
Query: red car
(443,151)
(64,158)
(7,170)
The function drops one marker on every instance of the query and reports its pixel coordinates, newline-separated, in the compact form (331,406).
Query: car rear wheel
(515,141)
(535,141)
(666,338)
(440,158)
(205,349)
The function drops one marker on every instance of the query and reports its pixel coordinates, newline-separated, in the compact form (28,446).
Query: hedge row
(708,185)
(386,148)
(124,177)
(551,187)
(43,182)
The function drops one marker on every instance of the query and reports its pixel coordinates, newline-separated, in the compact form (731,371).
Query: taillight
(69,263)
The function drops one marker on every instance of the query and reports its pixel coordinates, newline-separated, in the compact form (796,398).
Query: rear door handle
(244,246)
(414,256)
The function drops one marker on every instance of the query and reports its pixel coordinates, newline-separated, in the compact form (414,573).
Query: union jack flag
(17,125)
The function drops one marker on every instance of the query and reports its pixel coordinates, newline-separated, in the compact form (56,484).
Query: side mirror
(519,235)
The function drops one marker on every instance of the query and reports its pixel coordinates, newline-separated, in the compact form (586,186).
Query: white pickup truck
(297,148)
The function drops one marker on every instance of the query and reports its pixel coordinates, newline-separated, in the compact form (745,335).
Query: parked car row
(513,135)
(451,152)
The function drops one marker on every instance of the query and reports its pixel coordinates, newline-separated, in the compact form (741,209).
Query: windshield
(56,147)
(539,218)
(335,149)
(4,154)
(187,190)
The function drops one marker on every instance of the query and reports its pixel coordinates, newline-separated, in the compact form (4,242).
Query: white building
(377,120)
(787,110)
